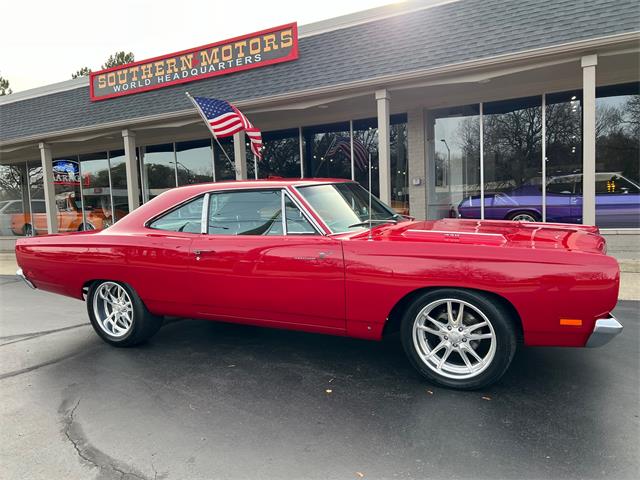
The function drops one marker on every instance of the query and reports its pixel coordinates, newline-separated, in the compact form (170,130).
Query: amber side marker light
(571,322)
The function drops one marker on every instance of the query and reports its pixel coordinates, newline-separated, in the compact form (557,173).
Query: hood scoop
(475,238)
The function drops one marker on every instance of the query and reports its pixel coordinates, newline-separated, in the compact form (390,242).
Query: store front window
(14,199)
(194,162)
(224,159)
(456,179)
(512,137)
(68,197)
(96,190)
(119,192)
(399,166)
(38,215)
(327,150)
(159,172)
(563,157)
(365,147)
(280,155)
(618,156)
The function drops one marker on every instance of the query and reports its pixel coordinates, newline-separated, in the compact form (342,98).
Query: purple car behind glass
(617,202)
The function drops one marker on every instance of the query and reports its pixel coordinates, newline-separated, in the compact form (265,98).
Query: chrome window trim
(283,188)
(207,196)
(204,222)
(331,232)
(149,221)
(305,213)
(283,211)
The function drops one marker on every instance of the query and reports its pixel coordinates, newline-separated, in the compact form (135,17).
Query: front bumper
(20,275)
(603,331)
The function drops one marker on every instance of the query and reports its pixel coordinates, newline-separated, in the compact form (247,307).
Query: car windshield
(343,206)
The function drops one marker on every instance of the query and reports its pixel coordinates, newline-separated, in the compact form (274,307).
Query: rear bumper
(603,331)
(20,275)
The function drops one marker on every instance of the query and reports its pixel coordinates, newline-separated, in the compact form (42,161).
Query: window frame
(164,213)
(204,222)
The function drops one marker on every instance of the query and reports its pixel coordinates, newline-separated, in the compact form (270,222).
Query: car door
(562,201)
(159,259)
(252,266)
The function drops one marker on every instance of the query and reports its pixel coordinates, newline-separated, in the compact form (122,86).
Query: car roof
(262,183)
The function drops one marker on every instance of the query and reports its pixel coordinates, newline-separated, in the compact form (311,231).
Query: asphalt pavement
(207,400)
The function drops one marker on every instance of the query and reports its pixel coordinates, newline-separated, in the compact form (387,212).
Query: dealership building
(526,110)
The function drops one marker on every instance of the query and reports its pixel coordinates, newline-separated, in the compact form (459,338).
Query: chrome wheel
(113,309)
(453,338)
(524,217)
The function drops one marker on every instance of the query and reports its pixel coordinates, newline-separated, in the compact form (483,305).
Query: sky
(43,42)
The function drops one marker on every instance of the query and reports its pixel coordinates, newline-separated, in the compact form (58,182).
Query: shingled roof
(432,37)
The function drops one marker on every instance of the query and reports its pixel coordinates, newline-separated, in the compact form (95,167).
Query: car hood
(531,235)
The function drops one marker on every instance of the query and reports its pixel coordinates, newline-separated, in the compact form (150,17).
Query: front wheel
(458,338)
(119,316)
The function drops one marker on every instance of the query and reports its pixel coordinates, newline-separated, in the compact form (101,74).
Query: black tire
(143,324)
(503,331)
(534,216)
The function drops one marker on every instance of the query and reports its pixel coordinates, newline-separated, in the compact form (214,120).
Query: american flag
(343,144)
(224,120)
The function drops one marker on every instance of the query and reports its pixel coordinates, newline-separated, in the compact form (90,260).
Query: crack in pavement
(28,336)
(15,373)
(108,467)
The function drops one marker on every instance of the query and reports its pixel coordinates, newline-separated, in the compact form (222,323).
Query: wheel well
(395,316)
(518,211)
(87,285)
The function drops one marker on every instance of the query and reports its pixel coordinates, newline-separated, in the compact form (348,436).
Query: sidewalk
(629,276)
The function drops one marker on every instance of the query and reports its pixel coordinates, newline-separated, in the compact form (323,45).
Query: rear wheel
(118,315)
(458,338)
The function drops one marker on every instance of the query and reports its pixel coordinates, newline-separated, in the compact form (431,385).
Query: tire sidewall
(139,313)
(500,321)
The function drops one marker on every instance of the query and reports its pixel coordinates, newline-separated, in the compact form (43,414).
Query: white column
(433,212)
(589,63)
(131,167)
(416,151)
(49,189)
(384,147)
(240,154)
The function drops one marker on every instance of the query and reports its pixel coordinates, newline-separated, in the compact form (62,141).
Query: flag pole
(233,165)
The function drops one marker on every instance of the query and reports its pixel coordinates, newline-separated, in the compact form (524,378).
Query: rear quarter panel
(156,266)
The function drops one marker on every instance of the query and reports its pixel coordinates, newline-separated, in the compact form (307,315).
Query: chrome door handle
(201,252)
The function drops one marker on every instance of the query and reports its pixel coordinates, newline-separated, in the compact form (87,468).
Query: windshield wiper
(372,221)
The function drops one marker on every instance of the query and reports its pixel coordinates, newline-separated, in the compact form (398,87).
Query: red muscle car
(322,256)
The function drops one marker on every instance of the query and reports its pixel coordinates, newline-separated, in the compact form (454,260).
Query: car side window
(186,218)
(297,223)
(248,212)
(561,185)
(14,208)
(615,184)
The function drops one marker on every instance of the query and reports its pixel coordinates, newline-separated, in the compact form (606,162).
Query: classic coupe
(324,256)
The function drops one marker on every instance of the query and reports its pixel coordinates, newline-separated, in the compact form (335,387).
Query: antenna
(370,220)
